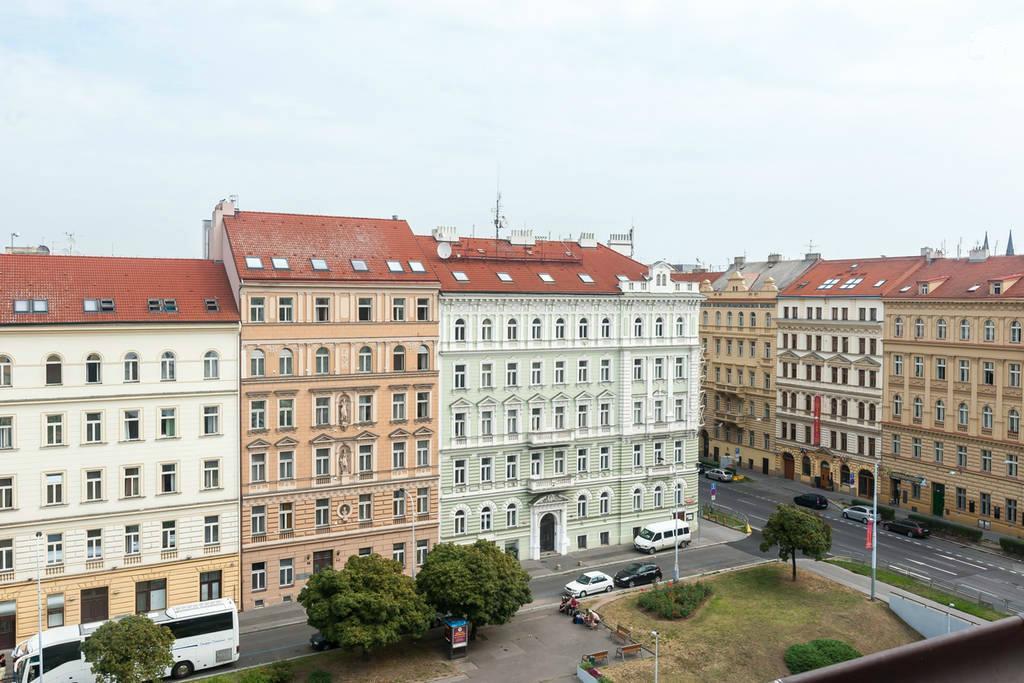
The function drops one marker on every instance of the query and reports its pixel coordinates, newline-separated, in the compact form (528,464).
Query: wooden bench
(623,634)
(598,657)
(624,650)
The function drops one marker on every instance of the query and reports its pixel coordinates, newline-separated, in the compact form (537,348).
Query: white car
(719,474)
(860,513)
(589,583)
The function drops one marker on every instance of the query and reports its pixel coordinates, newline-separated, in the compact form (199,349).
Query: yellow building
(953,358)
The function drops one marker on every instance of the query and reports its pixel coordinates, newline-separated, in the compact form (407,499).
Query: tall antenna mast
(499,219)
(71,243)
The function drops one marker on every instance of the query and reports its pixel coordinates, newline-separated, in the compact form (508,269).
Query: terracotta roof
(853,277)
(66,282)
(490,265)
(950,278)
(337,240)
(697,277)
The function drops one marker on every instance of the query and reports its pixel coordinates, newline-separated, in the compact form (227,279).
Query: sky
(715,128)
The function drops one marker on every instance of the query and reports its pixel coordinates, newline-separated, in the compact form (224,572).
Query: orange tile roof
(950,278)
(482,259)
(336,239)
(66,281)
(853,277)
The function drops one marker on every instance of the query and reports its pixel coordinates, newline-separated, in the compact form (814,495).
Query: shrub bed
(888,514)
(1014,546)
(950,528)
(675,601)
(818,653)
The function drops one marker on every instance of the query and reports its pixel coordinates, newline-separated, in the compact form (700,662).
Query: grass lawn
(741,633)
(412,661)
(912,585)
(723,517)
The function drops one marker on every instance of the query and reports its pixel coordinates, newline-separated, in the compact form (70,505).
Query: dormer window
(922,288)
(359,265)
(279,263)
(417,267)
(504,277)
(460,276)
(212,305)
(546,277)
(318,264)
(395,267)
(995,288)
(585,277)
(253,262)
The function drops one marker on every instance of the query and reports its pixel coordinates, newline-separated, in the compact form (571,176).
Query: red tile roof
(950,278)
(697,277)
(853,277)
(481,259)
(336,239)
(66,281)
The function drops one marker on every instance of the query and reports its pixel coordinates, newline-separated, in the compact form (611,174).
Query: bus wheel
(182,669)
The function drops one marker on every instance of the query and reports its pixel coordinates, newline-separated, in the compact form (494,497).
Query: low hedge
(888,514)
(951,528)
(1014,546)
(676,601)
(818,653)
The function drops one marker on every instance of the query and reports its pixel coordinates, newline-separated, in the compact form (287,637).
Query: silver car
(719,474)
(859,513)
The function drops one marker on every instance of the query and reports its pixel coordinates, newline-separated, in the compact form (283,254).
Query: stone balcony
(550,484)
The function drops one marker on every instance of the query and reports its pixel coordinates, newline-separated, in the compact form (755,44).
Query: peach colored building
(338,393)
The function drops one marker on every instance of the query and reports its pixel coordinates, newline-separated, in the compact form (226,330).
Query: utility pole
(39,598)
(655,634)
(874,532)
(675,517)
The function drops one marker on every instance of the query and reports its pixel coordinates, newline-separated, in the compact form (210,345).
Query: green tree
(793,529)
(478,582)
(129,650)
(367,605)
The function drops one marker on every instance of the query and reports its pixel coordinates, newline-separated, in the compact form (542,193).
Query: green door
(938,499)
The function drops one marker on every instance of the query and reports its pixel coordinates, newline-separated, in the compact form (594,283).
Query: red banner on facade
(871,532)
(817,421)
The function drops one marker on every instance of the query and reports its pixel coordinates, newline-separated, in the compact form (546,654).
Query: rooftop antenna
(71,243)
(499,219)
(810,247)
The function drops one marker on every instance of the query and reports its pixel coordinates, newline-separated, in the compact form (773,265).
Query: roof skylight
(98,305)
(212,305)
(546,277)
(318,264)
(973,288)
(253,262)
(359,265)
(280,263)
(829,283)
(622,278)
(905,288)
(504,277)
(40,305)
(586,278)
(879,283)
(417,267)
(851,283)
(460,276)
(395,266)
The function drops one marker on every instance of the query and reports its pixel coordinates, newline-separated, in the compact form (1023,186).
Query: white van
(661,535)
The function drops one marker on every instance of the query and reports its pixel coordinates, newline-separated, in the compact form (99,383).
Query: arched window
(93,369)
(285,362)
(872,413)
(728,319)
(638,499)
(365,359)
(560,328)
(919,328)
(6,371)
(605,502)
(606,328)
(659,496)
(168,370)
(460,330)
(485,518)
(512,329)
(322,361)
(398,359)
(940,410)
(843,407)
(1013,421)
(211,365)
(861,410)
(423,358)
(257,363)
(739,318)
(681,326)
(535,329)
(131,367)
(986,417)
(805,466)
(581,506)
(897,327)
(918,408)
(941,328)
(990,331)
(965,330)
(753,319)
(638,327)
(54,370)
(704,318)
(460,522)
(512,515)
(659,327)
(1015,332)
(963,413)
(718,318)
(584,328)
(486,330)
(677,497)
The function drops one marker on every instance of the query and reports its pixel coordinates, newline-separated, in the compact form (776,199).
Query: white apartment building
(118,437)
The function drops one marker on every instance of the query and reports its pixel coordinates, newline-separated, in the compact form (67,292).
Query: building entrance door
(547,533)
(788,465)
(7,620)
(826,476)
(764,465)
(94,605)
(938,499)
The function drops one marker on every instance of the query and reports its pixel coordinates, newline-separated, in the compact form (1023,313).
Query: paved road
(994,577)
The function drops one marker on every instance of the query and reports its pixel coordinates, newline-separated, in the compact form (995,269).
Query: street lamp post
(675,517)
(39,598)
(655,634)
(874,532)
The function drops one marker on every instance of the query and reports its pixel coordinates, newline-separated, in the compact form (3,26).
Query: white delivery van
(660,535)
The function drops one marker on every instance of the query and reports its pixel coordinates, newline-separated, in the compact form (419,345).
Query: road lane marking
(911,572)
(939,569)
(976,566)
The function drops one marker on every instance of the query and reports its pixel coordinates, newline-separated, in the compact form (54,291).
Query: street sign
(712,496)
(714,488)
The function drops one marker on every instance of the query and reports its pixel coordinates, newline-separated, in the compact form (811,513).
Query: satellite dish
(444,250)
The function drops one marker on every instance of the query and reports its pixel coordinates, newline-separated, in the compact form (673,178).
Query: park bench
(598,657)
(623,634)
(624,650)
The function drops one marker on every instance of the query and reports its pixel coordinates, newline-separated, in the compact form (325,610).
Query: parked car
(637,574)
(319,642)
(659,535)
(860,513)
(719,474)
(589,583)
(811,500)
(908,527)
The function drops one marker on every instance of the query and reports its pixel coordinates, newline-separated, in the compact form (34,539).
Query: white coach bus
(205,636)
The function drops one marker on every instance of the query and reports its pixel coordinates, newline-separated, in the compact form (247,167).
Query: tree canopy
(793,529)
(129,650)
(478,582)
(368,605)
